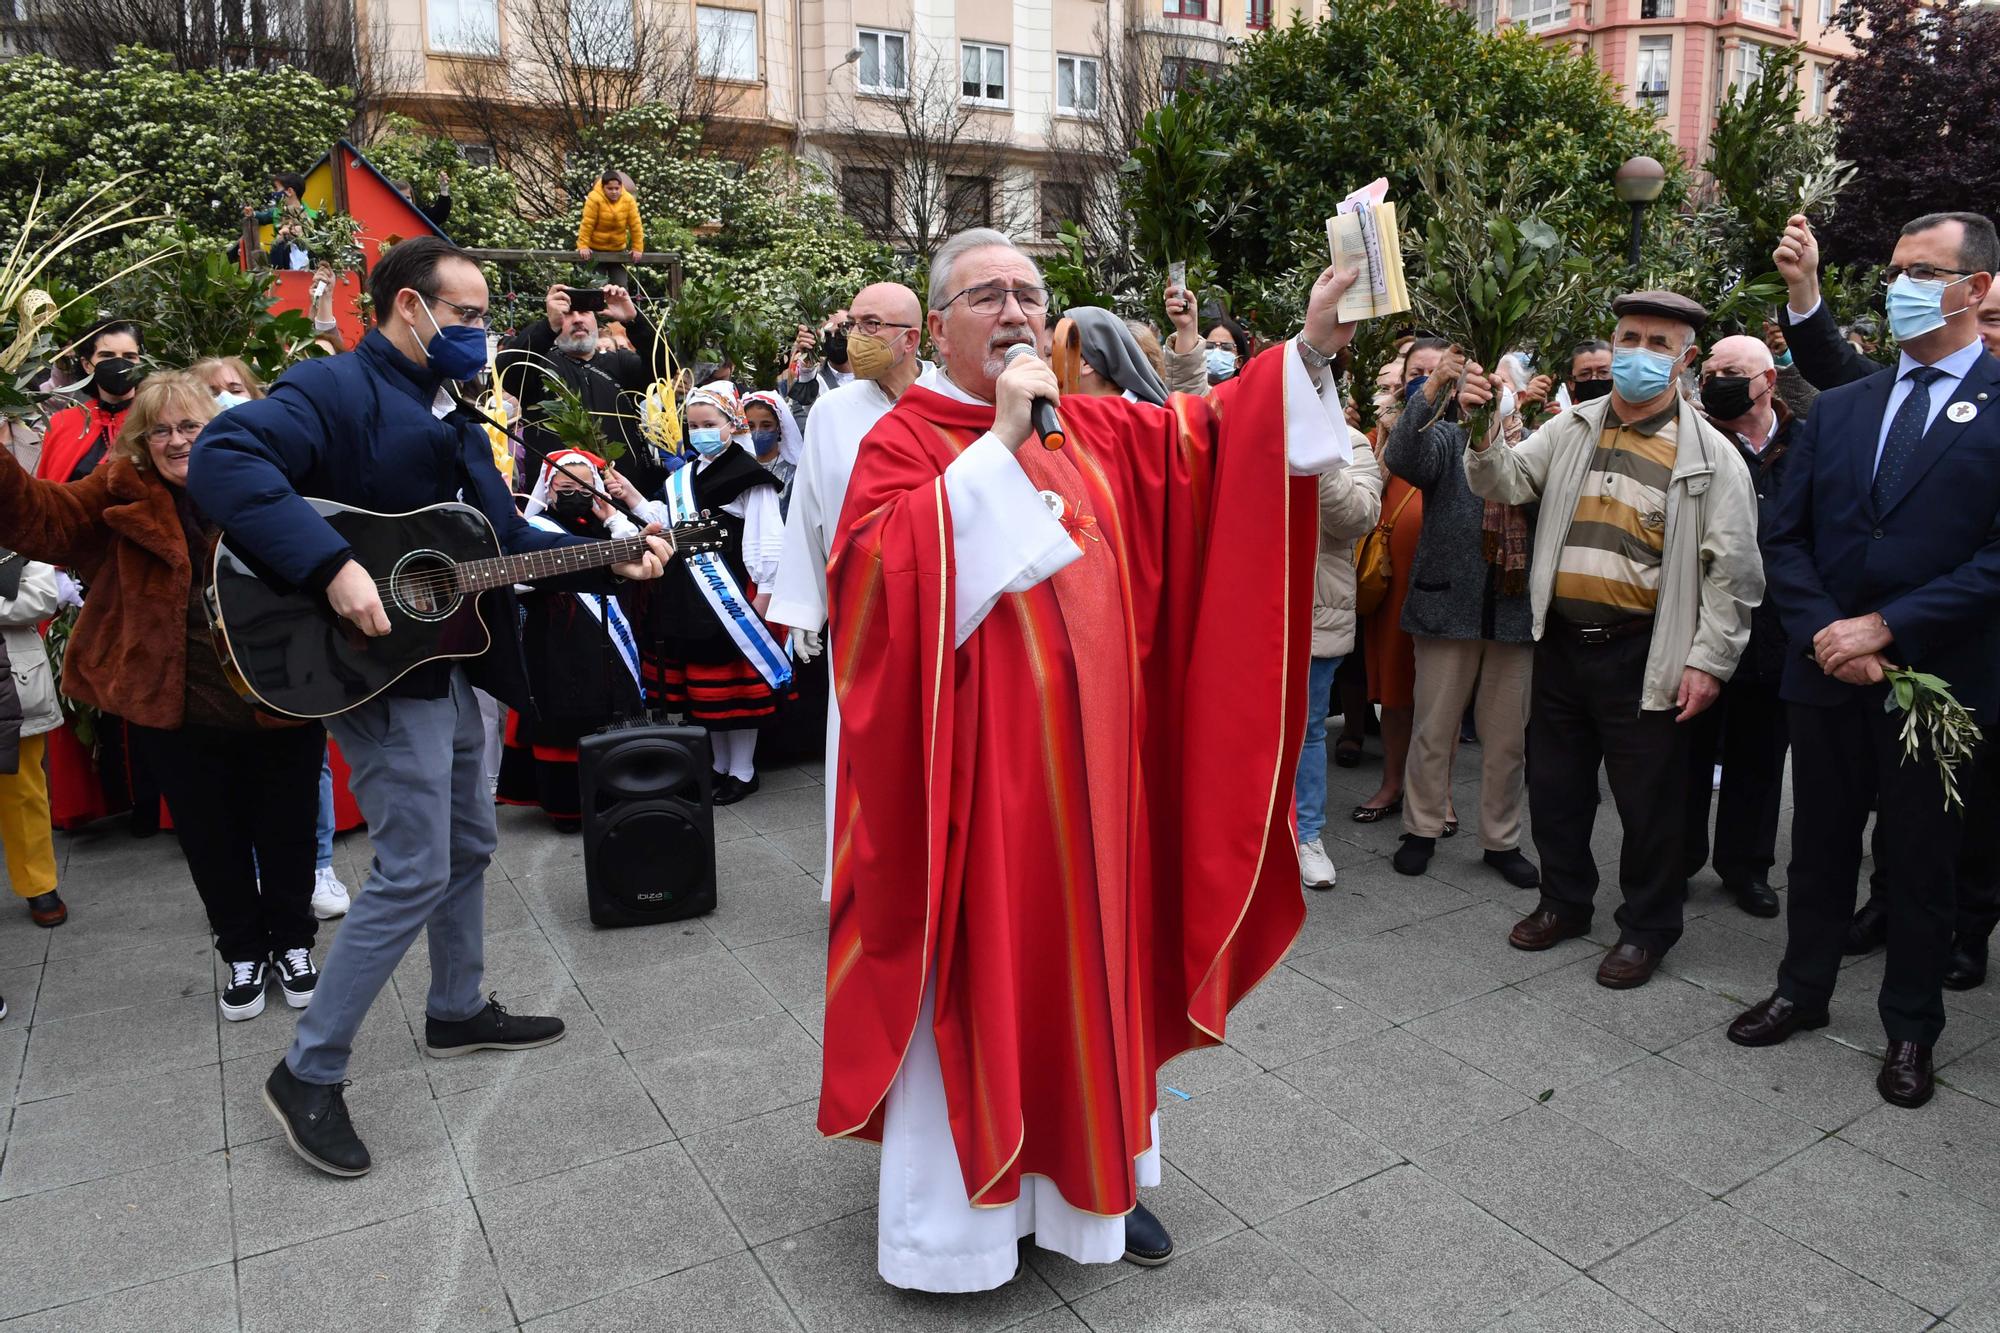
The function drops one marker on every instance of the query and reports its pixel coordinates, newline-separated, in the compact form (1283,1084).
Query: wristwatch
(1316,360)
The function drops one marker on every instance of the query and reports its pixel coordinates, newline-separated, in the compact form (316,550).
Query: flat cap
(1667,305)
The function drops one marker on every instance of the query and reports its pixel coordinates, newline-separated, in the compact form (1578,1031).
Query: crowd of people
(1669,562)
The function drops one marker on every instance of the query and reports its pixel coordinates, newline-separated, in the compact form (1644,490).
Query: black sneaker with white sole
(491,1029)
(296,976)
(243,996)
(314,1118)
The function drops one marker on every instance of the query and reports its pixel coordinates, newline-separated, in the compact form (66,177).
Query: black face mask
(1727,397)
(116,377)
(572,509)
(1585,390)
(835,347)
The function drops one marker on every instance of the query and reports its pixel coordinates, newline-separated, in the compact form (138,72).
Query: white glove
(68,591)
(805,644)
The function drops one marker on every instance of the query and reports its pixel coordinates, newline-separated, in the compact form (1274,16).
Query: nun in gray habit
(1112,361)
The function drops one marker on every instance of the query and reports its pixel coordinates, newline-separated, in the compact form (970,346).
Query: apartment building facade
(1003,103)
(1679,58)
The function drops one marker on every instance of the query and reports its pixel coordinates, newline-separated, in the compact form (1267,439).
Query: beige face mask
(868,356)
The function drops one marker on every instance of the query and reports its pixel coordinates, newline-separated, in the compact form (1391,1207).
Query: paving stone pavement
(1414,1127)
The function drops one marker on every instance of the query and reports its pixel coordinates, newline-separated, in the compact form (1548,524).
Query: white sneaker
(329,895)
(1315,870)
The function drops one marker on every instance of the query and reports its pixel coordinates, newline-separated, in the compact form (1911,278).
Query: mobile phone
(585,298)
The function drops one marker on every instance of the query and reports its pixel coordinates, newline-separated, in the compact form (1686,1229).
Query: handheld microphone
(1048,426)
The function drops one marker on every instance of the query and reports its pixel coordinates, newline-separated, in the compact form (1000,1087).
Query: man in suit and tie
(1886,552)
(1827,360)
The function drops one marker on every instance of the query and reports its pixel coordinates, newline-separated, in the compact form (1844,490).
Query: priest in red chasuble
(1071,690)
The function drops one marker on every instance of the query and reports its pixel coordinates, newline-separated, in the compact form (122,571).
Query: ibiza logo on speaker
(656,897)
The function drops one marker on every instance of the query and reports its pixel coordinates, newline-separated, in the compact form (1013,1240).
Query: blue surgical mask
(763,442)
(1639,375)
(457,353)
(1414,387)
(226,400)
(1916,308)
(708,441)
(1221,362)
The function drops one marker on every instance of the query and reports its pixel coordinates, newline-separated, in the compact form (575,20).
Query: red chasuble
(1079,819)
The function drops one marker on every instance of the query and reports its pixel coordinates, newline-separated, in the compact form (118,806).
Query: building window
(1819,89)
(1828,11)
(885,65)
(1749,67)
(1539,14)
(1257,13)
(727,43)
(465,27)
(869,196)
(983,73)
(1076,85)
(600,33)
(968,202)
(1656,61)
(1188,9)
(1062,201)
(1761,11)
(478,154)
(1656,9)
(1486,14)
(1178,72)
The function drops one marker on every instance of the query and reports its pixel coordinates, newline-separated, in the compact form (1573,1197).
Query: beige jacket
(1711,574)
(1350,503)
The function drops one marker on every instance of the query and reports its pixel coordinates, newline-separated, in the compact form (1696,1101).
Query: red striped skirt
(727,696)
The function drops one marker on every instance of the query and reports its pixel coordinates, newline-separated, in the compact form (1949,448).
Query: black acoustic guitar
(286,650)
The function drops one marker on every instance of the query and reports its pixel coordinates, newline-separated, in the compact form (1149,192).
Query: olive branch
(1933,717)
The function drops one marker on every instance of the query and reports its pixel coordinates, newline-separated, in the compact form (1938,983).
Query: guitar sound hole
(424,586)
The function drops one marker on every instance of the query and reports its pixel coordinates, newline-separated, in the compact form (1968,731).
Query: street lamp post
(1639,182)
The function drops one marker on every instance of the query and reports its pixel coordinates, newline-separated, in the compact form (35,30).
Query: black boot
(1414,856)
(1146,1241)
(1870,928)
(314,1118)
(1966,968)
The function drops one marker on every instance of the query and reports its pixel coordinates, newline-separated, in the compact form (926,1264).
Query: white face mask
(226,400)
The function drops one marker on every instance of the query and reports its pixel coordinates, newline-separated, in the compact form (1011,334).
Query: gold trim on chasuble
(944,636)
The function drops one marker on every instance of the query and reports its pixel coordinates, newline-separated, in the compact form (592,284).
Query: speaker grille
(652,857)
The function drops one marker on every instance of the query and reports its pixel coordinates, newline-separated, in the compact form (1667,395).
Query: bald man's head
(1737,383)
(1738,354)
(888,301)
(888,323)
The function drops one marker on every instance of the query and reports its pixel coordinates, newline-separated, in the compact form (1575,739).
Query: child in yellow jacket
(610,220)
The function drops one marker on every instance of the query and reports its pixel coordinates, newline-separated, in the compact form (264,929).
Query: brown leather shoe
(1543,929)
(1626,967)
(1906,1078)
(47,909)
(1771,1021)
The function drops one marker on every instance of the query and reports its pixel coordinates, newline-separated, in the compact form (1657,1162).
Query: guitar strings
(438,582)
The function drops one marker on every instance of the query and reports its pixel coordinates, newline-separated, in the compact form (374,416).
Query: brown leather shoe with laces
(47,909)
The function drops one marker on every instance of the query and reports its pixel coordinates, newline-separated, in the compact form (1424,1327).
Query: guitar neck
(527,567)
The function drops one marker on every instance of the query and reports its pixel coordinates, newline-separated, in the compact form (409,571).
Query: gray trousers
(416,768)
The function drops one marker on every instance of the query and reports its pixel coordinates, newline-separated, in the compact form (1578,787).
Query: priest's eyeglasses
(991,299)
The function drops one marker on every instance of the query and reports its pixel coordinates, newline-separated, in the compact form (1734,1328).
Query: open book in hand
(1362,234)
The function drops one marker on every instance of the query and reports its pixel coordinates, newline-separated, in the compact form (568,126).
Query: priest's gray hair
(957,247)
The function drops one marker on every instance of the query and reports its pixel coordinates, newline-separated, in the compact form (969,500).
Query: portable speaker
(648,827)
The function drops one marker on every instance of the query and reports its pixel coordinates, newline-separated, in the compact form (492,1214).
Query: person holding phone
(563,349)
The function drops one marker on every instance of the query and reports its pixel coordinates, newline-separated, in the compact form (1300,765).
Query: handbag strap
(1390,526)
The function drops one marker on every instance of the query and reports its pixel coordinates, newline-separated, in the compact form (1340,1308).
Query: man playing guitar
(379,428)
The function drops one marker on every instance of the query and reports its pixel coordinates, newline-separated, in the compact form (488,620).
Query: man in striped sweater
(1644,574)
